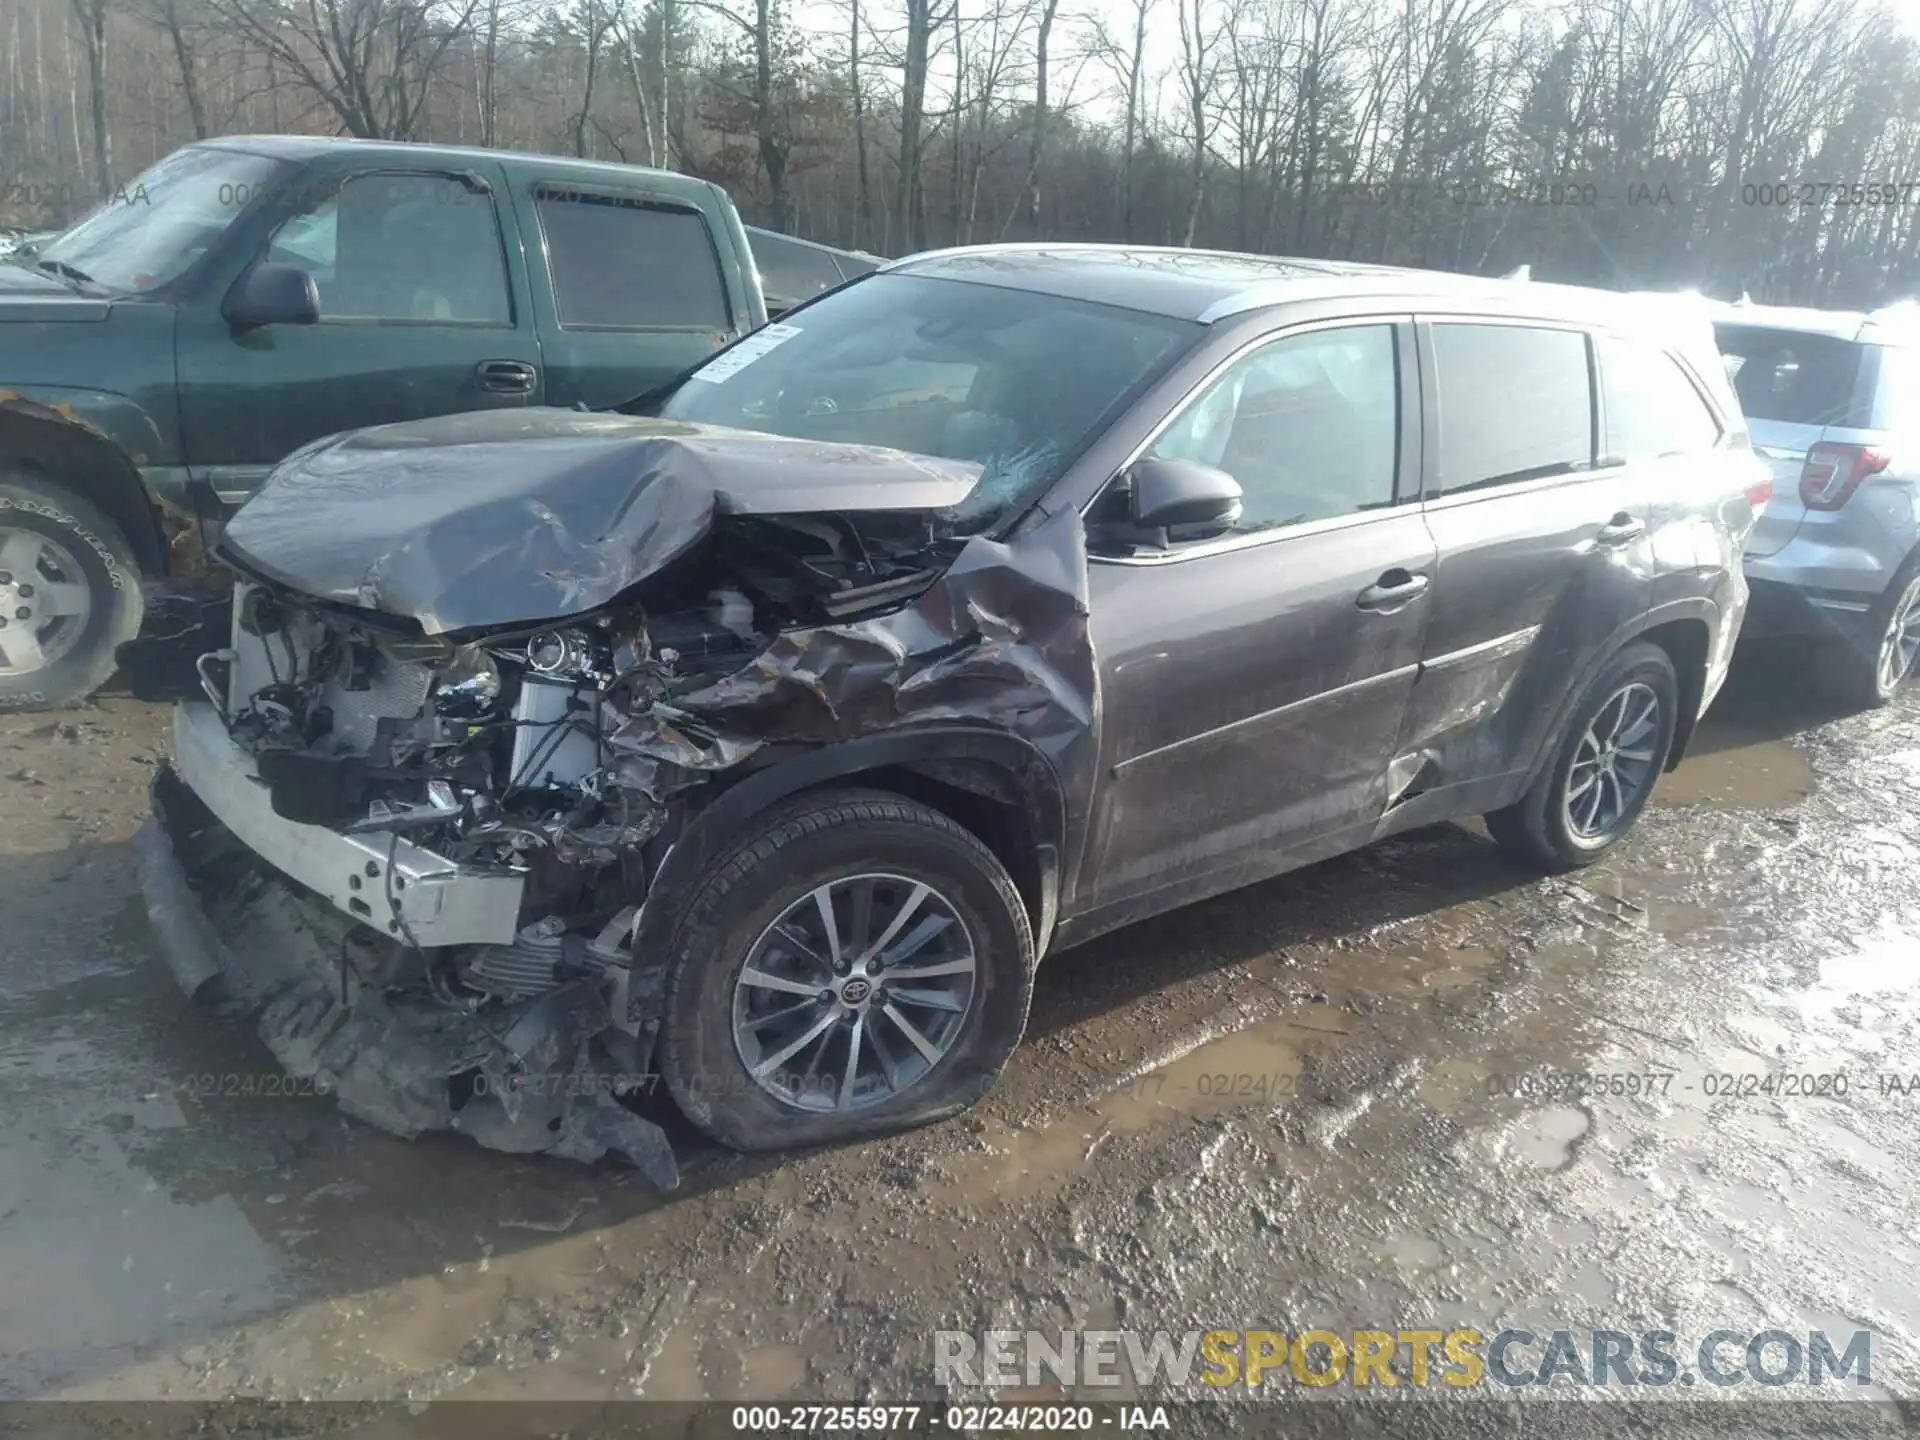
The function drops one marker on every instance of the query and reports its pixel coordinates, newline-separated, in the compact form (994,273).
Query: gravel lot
(1286,1107)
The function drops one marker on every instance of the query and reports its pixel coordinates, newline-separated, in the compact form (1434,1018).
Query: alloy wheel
(855,993)
(44,601)
(1900,643)
(1614,763)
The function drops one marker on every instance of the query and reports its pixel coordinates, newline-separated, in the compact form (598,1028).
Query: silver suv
(1832,400)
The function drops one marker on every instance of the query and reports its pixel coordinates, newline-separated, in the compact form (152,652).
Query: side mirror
(1182,499)
(273,294)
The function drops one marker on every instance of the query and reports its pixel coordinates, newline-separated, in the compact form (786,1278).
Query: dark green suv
(248,296)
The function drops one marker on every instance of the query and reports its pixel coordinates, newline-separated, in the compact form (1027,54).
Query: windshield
(1013,381)
(155,227)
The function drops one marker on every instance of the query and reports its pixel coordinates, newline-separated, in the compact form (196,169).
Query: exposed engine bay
(489,825)
(500,752)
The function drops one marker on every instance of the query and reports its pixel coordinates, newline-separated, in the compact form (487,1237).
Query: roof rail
(1519,272)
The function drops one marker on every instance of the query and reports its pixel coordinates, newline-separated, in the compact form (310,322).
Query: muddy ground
(1285,1107)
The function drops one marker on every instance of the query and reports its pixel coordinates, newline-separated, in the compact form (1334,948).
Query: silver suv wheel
(1613,763)
(854,993)
(1900,643)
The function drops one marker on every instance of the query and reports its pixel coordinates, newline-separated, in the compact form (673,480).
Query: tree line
(1766,147)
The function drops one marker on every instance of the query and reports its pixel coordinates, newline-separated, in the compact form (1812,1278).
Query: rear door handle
(1622,529)
(1392,590)
(506,377)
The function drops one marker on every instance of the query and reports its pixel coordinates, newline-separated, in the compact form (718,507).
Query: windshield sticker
(767,337)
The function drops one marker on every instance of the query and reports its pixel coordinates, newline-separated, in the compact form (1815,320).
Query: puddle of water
(674,1371)
(1593,1285)
(1546,1139)
(1259,1065)
(1675,918)
(1413,1252)
(1761,774)
(775,1370)
(1885,962)
(99,1261)
(1761,1036)
(1641,902)
(1453,1087)
(1256,1067)
(1428,970)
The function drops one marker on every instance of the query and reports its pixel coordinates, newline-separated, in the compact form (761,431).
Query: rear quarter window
(1652,408)
(619,263)
(1793,377)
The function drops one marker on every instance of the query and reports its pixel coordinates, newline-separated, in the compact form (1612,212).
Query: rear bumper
(1778,610)
(377,879)
(1851,551)
(349,1011)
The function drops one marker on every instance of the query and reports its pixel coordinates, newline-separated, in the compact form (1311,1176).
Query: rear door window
(625,264)
(1652,407)
(1515,403)
(1792,377)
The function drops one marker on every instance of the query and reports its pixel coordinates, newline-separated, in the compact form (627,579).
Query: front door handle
(1622,529)
(506,377)
(1392,590)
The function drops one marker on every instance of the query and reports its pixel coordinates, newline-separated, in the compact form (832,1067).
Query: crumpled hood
(505,517)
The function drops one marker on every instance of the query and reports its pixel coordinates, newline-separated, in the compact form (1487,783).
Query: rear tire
(962,988)
(1866,671)
(1605,763)
(69,593)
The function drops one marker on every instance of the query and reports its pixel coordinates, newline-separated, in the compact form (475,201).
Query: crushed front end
(436,850)
(454,950)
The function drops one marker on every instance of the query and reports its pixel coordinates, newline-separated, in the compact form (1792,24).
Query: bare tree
(1043,34)
(594,21)
(1329,31)
(631,49)
(489,92)
(1255,65)
(760,31)
(373,62)
(1199,72)
(863,209)
(988,76)
(1270,108)
(1125,57)
(92,18)
(169,17)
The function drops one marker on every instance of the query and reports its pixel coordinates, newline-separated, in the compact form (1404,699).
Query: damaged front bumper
(379,879)
(541,1076)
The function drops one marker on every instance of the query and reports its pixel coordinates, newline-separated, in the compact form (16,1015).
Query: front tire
(1613,748)
(857,964)
(69,594)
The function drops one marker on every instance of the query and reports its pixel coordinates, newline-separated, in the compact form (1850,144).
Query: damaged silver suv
(763,738)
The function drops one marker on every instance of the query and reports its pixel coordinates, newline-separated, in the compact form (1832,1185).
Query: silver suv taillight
(1834,471)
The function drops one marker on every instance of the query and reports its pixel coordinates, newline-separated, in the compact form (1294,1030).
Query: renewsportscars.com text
(1457,1357)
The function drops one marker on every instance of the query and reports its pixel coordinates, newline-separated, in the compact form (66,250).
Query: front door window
(394,248)
(1308,424)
